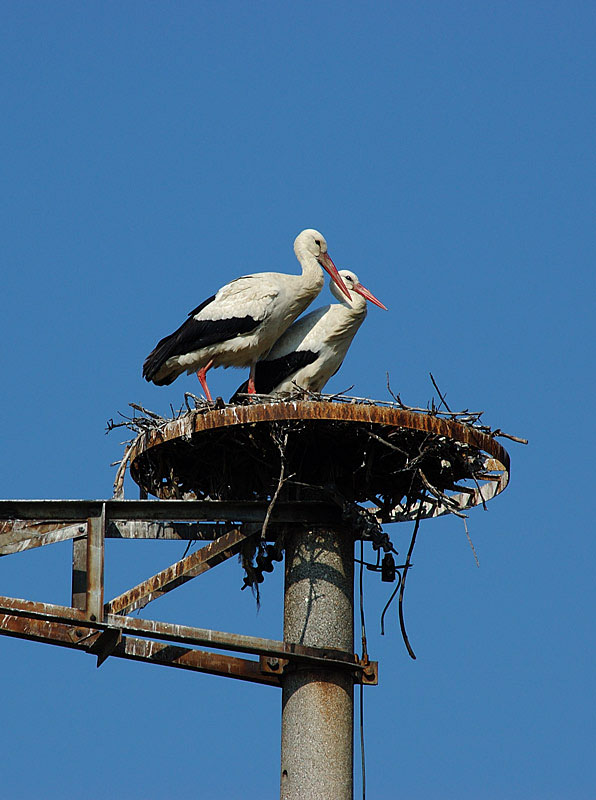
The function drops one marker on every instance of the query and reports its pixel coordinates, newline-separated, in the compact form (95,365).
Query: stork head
(355,288)
(312,243)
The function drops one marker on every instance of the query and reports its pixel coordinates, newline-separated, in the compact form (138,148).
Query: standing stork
(244,319)
(312,350)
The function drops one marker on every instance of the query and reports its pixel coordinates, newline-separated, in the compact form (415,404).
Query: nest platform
(391,457)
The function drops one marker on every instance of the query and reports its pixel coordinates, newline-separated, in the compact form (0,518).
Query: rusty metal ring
(495,470)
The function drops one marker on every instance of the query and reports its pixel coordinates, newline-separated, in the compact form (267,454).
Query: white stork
(312,350)
(244,319)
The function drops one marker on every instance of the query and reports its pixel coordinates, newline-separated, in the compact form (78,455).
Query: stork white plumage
(244,319)
(312,350)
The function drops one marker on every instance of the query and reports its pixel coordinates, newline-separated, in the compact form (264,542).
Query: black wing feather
(269,374)
(193,335)
(202,306)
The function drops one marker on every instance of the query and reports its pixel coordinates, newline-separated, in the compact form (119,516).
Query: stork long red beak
(329,267)
(362,290)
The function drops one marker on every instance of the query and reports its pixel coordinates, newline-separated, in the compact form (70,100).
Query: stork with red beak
(312,350)
(240,323)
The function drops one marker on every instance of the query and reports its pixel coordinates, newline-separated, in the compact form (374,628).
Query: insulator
(388,568)
(264,563)
(274,554)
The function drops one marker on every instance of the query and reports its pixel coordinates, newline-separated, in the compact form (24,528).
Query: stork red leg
(201,375)
(251,380)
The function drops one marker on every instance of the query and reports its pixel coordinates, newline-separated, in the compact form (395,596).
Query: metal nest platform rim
(394,458)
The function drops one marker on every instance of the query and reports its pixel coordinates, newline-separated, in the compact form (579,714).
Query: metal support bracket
(366,672)
(369,676)
(96,528)
(105,645)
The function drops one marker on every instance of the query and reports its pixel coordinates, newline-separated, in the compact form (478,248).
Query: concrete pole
(318,705)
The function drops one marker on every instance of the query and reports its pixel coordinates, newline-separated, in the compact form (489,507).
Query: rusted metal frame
(39,630)
(88,568)
(267,671)
(182,571)
(26,539)
(198,660)
(111,643)
(233,641)
(17,529)
(307,513)
(95,564)
(47,612)
(18,535)
(79,573)
(299,654)
(172,531)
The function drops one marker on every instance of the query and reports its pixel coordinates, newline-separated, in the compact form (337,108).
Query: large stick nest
(387,464)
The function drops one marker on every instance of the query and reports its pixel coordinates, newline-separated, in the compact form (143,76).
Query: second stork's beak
(329,267)
(362,290)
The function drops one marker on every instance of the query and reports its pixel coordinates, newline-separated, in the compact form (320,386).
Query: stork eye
(318,241)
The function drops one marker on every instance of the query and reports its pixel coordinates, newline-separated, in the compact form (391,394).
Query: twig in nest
(389,444)
(451,504)
(439,393)
(151,414)
(499,432)
(197,400)
(282,479)
(471,544)
(479,491)
(396,397)
(121,472)
(254,546)
(331,397)
(302,391)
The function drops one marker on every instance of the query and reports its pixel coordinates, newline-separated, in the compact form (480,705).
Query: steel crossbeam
(121,637)
(105,631)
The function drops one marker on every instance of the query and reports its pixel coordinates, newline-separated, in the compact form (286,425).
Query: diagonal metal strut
(182,571)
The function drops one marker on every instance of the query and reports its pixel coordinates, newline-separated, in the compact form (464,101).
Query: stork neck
(312,274)
(357,305)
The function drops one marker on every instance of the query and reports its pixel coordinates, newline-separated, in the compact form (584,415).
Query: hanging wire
(402,584)
(393,593)
(402,624)
(362,741)
(365,658)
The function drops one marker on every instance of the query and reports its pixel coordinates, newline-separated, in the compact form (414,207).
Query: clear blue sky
(152,151)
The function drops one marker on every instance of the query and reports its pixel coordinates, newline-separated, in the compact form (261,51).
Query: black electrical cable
(402,624)
(389,603)
(364,657)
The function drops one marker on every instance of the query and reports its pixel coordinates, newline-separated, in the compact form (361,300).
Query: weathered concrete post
(318,705)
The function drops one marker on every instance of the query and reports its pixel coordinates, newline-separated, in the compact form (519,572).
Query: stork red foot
(201,375)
